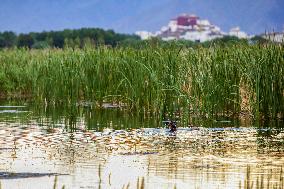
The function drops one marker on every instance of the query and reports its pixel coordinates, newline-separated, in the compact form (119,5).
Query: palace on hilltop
(190,27)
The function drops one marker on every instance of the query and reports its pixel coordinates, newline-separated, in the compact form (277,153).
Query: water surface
(81,147)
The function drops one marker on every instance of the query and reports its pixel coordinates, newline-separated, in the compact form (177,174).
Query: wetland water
(84,148)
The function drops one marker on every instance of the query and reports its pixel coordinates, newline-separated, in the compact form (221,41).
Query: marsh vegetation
(230,80)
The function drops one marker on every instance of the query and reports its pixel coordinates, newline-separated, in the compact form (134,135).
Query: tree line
(76,38)
(79,38)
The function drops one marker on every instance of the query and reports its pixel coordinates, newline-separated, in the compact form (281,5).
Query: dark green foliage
(259,40)
(2,42)
(58,38)
(25,40)
(7,39)
(225,41)
(79,38)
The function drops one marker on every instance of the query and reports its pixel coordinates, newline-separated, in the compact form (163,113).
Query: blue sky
(128,16)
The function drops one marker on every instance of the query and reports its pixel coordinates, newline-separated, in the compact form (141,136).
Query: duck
(172,126)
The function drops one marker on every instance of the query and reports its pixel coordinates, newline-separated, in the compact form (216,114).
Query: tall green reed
(203,81)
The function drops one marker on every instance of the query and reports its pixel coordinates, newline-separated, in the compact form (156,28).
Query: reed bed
(231,80)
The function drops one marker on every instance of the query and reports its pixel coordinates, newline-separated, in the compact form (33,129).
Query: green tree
(2,41)
(58,39)
(7,39)
(10,39)
(25,40)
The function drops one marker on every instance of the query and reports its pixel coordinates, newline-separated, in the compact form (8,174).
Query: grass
(208,82)
(261,181)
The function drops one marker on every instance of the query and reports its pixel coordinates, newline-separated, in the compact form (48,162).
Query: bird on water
(172,126)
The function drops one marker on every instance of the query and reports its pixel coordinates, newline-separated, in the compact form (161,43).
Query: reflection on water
(87,148)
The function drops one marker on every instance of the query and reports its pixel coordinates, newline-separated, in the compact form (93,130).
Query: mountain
(128,16)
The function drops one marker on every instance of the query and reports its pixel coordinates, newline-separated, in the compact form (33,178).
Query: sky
(128,16)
